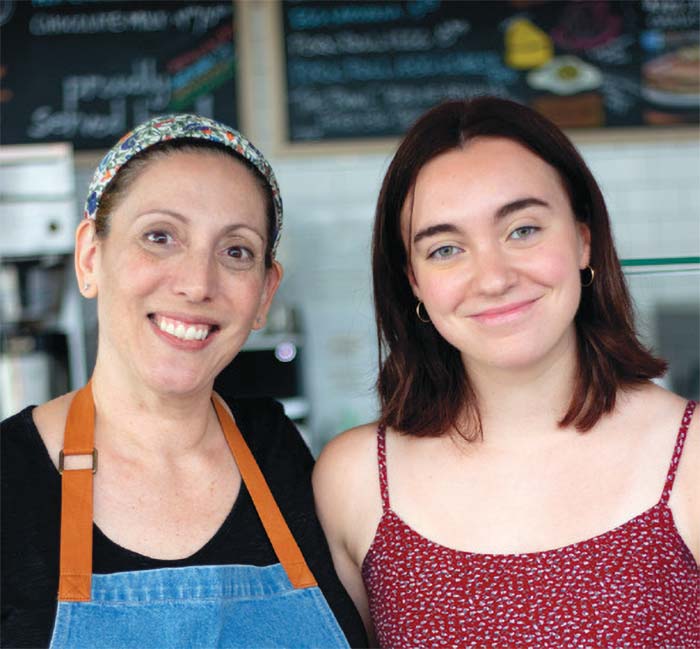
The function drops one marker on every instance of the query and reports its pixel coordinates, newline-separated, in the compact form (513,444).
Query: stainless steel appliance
(42,349)
(33,367)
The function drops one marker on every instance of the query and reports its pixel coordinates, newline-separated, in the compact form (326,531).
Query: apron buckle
(61,460)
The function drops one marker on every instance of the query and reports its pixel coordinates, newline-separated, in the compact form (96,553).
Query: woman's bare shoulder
(347,466)
(351,453)
(666,415)
(648,417)
(346,490)
(353,441)
(654,416)
(654,405)
(685,497)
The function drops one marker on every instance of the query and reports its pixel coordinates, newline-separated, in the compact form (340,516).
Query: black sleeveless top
(31,502)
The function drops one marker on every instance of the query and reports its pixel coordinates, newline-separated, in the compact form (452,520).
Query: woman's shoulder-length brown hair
(423,387)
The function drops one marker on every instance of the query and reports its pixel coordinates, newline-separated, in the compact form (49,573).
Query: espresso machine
(42,341)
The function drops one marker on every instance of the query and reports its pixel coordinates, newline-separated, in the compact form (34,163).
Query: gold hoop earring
(418,306)
(589,268)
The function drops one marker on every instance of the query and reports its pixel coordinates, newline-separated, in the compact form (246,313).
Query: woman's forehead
(195,183)
(484,174)
(486,167)
(181,128)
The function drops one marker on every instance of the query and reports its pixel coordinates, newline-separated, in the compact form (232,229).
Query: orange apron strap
(74,584)
(278,532)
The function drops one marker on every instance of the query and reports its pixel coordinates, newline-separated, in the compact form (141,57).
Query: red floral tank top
(636,585)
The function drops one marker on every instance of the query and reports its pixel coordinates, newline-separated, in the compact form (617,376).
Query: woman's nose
(493,273)
(195,276)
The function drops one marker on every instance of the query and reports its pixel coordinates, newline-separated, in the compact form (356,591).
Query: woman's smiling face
(495,252)
(181,277)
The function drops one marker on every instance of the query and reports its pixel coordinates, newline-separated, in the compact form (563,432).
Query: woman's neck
(519,404)
(140,420)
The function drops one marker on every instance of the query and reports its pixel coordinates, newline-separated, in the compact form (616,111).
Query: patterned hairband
(178,127)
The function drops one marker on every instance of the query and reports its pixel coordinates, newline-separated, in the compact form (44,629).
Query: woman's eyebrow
(229,229)
(234,227)
(519,204)
(160,210)
(501,212)
(439,228)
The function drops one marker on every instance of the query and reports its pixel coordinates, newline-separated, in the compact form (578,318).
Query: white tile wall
(652,187)
(326,252)
(653,194)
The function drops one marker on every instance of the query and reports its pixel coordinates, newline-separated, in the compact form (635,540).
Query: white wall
(652,187)
(652,190)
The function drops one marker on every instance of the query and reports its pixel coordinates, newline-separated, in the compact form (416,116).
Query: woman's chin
(179,383)
(508,359)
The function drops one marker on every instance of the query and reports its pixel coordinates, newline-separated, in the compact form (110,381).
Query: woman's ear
(412,281)
(584,238)
(406,218)
(273,277)
(86,257)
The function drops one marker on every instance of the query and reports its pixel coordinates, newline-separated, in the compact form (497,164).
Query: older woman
(535,487)
(159,513)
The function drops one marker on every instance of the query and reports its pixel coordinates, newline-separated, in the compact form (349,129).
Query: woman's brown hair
(423,386)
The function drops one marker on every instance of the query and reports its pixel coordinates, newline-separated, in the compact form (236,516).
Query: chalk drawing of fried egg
(565,75)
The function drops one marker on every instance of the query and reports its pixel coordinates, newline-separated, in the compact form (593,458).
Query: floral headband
(178,127)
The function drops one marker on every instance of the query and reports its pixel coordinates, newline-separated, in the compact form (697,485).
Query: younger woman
(535,488)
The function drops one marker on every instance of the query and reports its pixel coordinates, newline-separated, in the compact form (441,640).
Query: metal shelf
(661,266)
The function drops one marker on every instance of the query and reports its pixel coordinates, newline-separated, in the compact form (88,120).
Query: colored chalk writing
(87,71)
(357,69)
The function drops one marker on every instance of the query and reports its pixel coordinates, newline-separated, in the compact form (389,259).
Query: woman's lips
(505,313)
(192,333)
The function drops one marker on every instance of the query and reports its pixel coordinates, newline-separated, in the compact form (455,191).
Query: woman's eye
(159,237)
(523,232)
(444,252)
(240,252)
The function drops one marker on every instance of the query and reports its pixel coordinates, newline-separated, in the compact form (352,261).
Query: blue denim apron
(198,606)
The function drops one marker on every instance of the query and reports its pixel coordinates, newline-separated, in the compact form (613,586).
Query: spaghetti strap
(680,440)
(381,461)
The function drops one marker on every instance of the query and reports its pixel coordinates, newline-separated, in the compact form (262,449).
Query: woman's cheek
(555,267)
(445,293)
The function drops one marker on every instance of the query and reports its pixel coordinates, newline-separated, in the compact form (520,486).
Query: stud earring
(86,286)
(589,268)
(420,317)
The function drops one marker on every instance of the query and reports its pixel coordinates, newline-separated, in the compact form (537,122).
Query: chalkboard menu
(86,71)
(367,69)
